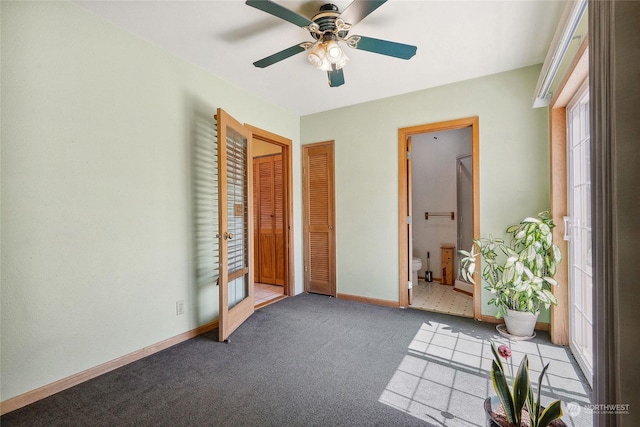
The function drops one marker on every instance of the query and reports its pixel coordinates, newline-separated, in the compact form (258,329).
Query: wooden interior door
(269,202)
(236,240)
(256,221)
(319,218)
(266,236)
(278,219)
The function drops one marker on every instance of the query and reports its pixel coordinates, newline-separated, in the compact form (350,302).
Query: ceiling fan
(329,27)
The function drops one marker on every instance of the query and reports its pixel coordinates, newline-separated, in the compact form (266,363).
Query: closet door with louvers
(266,238)
(319,217)
(278,217)
(269,219)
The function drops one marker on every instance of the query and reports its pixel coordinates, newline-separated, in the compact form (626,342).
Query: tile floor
(442,299)
(265,294)
(444,377)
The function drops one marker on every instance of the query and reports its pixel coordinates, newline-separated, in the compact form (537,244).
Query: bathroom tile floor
(265,294)
(442,299)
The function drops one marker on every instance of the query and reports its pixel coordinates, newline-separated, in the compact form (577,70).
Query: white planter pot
(520,323)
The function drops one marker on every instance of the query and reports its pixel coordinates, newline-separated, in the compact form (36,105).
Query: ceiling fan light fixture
(329,28)
(326,65)
(344,59)
(334,52)
(317,55)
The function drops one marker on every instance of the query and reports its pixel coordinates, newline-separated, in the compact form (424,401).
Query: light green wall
(96,191)
(514,171)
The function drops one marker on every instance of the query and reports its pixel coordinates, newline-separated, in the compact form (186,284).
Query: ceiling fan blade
(277,57)
(360,9)
(383,47)
(280,11)
(336,77)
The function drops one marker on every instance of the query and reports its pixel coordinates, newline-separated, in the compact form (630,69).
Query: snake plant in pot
(519,274)
(517,403)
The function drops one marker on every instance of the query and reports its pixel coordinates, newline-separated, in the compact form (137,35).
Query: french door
(579,234)
(235,224)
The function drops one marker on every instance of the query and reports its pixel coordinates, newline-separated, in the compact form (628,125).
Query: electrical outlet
(179,307)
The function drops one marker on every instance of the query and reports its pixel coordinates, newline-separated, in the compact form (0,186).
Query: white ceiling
(456,40)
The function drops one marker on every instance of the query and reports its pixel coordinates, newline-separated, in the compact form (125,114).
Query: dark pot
(490,405)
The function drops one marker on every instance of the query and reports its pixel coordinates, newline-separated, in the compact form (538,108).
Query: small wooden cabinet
(447,256)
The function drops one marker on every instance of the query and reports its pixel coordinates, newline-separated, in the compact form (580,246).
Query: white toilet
(416,264)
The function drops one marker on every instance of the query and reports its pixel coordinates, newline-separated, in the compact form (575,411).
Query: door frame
(576,74)
(285,145)
(403,199)
(409,175)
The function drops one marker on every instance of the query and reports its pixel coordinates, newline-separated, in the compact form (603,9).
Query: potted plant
(518,274)
(517,401)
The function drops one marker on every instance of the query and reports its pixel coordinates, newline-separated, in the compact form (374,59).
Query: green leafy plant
(518,274)
(514,397)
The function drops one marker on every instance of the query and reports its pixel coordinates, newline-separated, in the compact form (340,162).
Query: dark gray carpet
(308,360)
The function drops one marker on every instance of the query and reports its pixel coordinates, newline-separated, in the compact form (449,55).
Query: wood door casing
(409,215)
(285,146)
(403,238)
(319,218)
(576,74)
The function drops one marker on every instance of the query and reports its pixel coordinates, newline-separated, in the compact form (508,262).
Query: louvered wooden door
(319,219)
(269,230)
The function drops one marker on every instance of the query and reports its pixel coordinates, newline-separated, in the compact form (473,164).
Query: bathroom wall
(434,190)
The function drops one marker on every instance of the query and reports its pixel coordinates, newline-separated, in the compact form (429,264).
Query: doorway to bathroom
(438,214)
